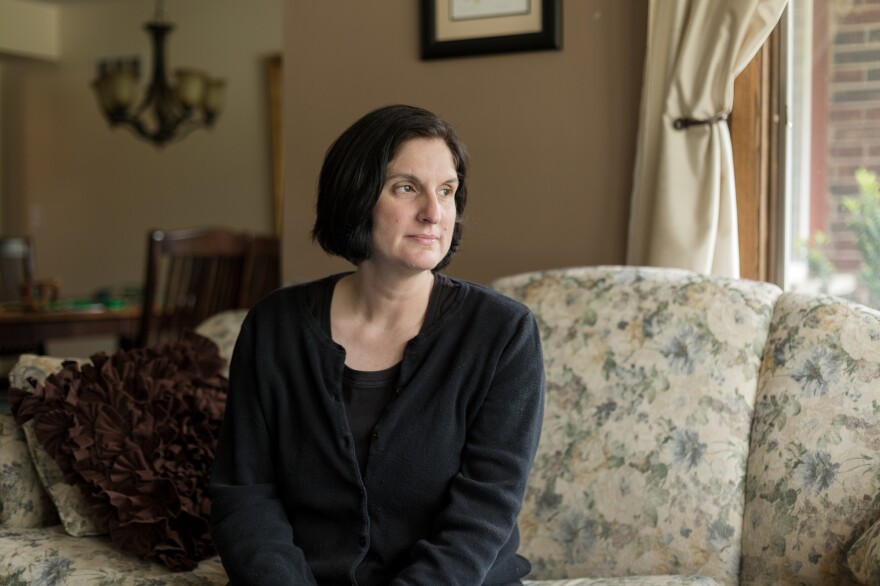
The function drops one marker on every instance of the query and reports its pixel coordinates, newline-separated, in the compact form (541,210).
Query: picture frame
(457,28)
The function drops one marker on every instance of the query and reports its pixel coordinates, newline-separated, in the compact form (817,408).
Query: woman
(381,424)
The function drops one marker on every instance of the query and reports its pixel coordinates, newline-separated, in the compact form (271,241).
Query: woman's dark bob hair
(353,175)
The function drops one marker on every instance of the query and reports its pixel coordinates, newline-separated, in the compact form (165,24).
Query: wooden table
(32,327)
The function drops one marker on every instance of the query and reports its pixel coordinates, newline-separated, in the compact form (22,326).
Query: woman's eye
(447,191)
(404,189)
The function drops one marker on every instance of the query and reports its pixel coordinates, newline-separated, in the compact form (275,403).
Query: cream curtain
(683,210)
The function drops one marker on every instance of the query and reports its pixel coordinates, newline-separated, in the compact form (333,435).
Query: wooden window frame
(756,122)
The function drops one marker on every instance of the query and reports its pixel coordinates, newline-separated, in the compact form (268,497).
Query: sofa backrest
(813,483)
(651,376)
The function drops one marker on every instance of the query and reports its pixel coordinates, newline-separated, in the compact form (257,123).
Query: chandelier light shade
(166,112)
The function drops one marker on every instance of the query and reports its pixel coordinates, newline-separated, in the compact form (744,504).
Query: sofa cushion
(135,433)
(68,501)
(814,473)
(650,380)
(23,500)
(222,329)
(50,556)
(628,581)
(863,557)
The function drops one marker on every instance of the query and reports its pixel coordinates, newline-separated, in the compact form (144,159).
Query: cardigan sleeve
(249,524)
(486,495)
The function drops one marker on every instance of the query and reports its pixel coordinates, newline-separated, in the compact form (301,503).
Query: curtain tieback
(685,123)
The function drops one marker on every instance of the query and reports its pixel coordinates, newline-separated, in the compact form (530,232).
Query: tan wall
(29,29)
(551,134)
(88,194)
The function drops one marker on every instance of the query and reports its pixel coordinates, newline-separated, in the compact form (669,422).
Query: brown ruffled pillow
(136,432)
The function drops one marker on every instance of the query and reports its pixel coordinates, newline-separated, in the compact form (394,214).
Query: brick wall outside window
(853,118)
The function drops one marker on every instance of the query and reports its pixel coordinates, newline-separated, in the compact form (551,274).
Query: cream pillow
(23,501)
(222,329)
(69,501)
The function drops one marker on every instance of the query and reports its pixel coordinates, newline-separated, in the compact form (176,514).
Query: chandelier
(166,112)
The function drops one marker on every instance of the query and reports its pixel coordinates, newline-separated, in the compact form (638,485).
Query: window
(832,240)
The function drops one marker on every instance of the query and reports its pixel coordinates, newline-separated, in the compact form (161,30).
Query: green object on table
(116,303)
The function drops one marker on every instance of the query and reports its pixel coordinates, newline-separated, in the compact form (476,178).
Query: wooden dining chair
(16,266)
(262,268)
(191,274)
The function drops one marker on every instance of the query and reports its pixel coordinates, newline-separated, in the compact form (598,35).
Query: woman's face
(414,217)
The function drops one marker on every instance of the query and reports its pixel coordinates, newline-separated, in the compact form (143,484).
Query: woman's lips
(425,238)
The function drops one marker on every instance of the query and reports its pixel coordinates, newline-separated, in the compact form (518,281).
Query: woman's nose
(431,211)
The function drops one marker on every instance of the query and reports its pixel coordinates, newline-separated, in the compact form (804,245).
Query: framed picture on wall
(455,28)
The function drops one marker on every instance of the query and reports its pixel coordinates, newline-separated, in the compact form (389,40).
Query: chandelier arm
(186,128)
(158,138)
(138,130)
(166,114)
(180,129)
(134,125)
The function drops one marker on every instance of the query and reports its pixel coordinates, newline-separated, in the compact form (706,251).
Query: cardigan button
(363,541)
(375,435)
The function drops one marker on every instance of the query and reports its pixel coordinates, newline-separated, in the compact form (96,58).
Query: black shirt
(446,468)
(366,393)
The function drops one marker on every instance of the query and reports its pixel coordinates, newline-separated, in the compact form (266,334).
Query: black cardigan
(448,460)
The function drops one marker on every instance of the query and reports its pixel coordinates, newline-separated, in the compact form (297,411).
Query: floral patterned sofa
(698,430)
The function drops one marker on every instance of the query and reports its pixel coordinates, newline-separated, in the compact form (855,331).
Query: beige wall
(88,194)
(551,134)
(29,29)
